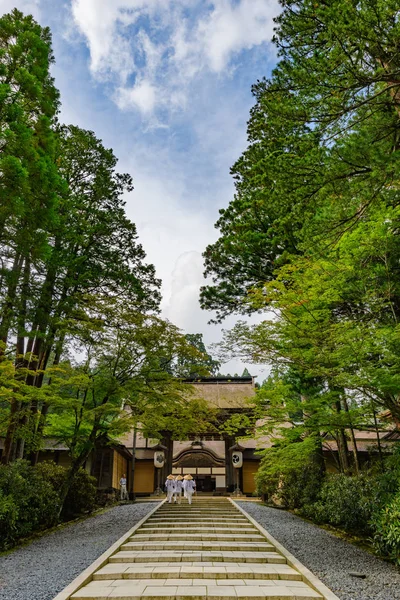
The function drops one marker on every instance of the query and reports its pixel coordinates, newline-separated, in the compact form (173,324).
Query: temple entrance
(206,483)
(204,464)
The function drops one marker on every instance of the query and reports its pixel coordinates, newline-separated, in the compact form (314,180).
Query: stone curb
(102,560)
(307,575)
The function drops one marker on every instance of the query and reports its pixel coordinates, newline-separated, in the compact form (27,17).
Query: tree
(321,174)
(93,251)
(29,181)
(120,385)
(324,126)
(200,365)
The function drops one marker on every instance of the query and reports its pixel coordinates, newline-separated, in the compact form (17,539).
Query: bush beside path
(43,568)
(329,557)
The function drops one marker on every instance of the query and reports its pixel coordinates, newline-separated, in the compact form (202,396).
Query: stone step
(174,528)
(192,535)
(189,512)
(191,516)
(196,506)
(198,545)
(182,519)
(196,589)
(173,556)
(206,570)
(174,505)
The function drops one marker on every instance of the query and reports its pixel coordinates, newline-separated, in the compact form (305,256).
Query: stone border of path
(86,575)
(292,561)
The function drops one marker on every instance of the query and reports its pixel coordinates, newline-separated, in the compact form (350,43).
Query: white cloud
(30,7)
(165,45)
(142,96)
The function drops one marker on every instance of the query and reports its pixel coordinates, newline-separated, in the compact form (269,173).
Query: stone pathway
(210,549)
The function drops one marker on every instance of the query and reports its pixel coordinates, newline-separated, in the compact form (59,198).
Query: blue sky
(166,84)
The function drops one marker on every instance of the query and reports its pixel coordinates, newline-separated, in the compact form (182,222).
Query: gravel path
(43,568)
(329,557)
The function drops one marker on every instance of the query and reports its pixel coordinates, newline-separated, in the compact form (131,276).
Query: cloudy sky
(166,84)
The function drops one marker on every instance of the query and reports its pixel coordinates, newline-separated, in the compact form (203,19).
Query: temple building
(207,456)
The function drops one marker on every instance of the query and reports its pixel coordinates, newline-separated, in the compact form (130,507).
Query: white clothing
(189,486)
(124,491)
(178,491)
(170,484)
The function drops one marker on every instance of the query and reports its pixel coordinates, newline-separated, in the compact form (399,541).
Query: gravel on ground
(329,557)
(40,570)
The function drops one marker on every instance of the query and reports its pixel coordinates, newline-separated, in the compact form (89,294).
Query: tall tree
(201,364)
(29,181)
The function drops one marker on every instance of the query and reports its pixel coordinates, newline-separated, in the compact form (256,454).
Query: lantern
(237,459)
(159,459)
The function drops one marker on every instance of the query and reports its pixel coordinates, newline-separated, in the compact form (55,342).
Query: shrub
(386,525)
(345,502)
(291,474)
(29,498)
(81,497)
(27,502)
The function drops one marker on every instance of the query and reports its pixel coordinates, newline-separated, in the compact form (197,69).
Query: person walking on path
(179,488)
(189,487)
(170,485)
(122,485)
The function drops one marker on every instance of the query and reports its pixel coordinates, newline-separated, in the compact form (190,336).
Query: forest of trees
(312,239)
(81,337)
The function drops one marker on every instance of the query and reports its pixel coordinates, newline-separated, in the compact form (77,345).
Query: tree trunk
(342,443)
(9,442)
(7,310)
(38,434)
(353,437)
(378,439)
(77,463)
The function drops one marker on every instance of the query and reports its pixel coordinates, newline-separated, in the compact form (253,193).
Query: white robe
(189,486)
(178,491)
(170,484)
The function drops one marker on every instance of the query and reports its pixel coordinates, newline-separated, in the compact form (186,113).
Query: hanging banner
(159,459)
(237,459)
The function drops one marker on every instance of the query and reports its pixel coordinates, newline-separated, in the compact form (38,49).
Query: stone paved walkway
(210,549)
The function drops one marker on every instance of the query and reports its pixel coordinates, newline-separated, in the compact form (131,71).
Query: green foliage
(82,493)
(30,498)
(386,526)
(28,502)
(345,502)
(198,365)
(312,233)
(363,504)
(311,238)
(290,473)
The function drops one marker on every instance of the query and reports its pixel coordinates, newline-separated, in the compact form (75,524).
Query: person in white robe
(170,486)
(179,489)
(189,487)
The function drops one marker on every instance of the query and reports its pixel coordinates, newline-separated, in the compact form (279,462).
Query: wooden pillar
(230,481)
(167,468)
